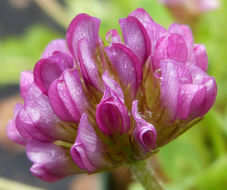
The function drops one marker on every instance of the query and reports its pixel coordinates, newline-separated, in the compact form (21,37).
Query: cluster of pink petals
(185,10)
(89,107)
(198,5)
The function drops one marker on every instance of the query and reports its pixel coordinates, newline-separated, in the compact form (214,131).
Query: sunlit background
(195,161)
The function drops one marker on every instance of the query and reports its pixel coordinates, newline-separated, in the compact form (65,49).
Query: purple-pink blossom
(189,10)
(90,107)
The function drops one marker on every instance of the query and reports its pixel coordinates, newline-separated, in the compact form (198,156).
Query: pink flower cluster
(189,10)
(90,107)
(197,5)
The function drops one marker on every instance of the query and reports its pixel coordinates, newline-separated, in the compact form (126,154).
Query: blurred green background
(195,161)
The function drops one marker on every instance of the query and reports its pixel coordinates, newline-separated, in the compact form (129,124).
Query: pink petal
(113,85)
(49,69)
(38,121)
(12,131)
(112,36)
(126,64)
(55,45)
(61,102)
(184,74)
(80,157)
(185,33)
(136,37)
(142,16)
(88,67)
(201,56)
(38,170)
(144,132)
(67,96)
(88,150)
(50,162)
(210,94)
(191,97)
(154,30)
(26,80)
(75,88)
(170,86)
(27,128)
(111,114)
(82,26)
(202,78)
(171,47)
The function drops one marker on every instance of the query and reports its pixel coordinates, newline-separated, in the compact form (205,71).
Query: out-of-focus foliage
(19,53)
(198,159)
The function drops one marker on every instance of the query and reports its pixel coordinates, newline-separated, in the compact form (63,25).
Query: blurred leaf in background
(18,53)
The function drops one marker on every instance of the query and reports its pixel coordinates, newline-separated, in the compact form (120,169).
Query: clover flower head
(89,107)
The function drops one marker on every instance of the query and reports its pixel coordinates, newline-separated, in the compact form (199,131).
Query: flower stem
(143,173)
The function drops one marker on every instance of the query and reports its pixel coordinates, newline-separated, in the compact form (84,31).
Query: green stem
(143,173)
